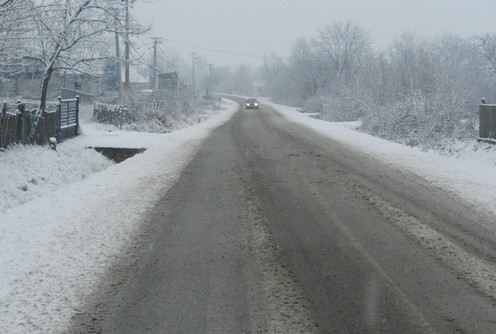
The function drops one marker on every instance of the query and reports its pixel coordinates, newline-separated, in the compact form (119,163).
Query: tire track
(478,273)
(277,303)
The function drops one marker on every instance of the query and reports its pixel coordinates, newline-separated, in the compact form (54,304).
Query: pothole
(118,154)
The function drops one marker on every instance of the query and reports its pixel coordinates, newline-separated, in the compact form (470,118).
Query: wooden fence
(20,125)
(111,114)
(155,105)
(15,124)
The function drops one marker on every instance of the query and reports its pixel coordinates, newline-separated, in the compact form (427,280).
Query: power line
(215,50)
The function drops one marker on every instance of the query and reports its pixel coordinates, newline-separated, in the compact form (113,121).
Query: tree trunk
(44,88)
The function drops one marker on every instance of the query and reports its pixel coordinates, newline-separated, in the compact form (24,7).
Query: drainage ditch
(118,154)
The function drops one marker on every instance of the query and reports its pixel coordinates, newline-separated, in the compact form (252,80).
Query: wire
(215,50)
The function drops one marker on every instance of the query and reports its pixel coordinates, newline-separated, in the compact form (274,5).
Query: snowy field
(65,215)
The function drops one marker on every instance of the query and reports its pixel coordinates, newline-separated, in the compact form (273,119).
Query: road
(275,229)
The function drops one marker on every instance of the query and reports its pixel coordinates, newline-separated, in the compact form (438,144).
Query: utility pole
(118,64)
(210,66)
(156,40)
(126,47)
(193,54)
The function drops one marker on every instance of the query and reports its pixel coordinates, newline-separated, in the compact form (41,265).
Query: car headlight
(256,104)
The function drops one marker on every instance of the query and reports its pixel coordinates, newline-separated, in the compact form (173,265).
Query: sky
(262,27)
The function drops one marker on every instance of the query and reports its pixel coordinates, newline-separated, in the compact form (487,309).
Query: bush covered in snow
(165,113)
(421,121)
(420,92)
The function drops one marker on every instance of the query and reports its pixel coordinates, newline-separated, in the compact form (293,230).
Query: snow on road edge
(54,248)
(470,176)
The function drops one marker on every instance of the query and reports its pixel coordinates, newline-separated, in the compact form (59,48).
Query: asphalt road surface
(275,229)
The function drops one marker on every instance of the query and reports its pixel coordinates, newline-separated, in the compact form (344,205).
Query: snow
(59,235)
(65,215)
(469,172)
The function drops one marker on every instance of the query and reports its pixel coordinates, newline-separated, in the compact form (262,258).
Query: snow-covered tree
(418,92)
(307,71)
(436,85)
(68,34)
(275,73)
(63,31)
(15,19)
(487,45)
(343,45)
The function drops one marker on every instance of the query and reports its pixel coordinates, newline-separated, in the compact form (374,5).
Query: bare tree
(344,45)
(243,79)
(70,35)
(276,77)
(60,28)
(412,64)
(307,69)
(421,92)
(487,46)
(15,18)
(6,3)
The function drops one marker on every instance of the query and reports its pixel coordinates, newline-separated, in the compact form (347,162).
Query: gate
(68,111)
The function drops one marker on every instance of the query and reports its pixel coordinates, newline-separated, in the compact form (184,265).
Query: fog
(248,30)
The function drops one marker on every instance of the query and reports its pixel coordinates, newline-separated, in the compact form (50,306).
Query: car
(251,104)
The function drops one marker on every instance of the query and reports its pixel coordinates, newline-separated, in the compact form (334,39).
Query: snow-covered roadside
(30,172)
(74,222)
(471,174)
(53,247)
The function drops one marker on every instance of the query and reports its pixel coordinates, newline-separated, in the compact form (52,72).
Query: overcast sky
(262,27)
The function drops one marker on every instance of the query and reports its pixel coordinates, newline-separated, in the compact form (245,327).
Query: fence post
(28,122)
(58,113)
(21,108)
(3,125)
(18,128)
(77,114)
(481,119)
(121,116)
